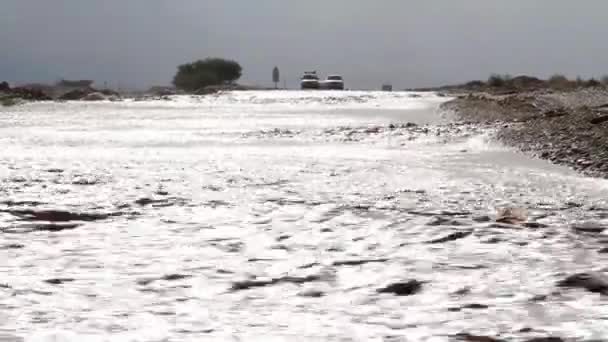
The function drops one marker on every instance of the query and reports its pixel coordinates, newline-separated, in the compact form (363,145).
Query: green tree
(203,73)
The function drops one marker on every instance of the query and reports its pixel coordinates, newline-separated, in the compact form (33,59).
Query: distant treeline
(505,82)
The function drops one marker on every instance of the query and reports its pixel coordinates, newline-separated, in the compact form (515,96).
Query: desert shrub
(499,81)
(559,81)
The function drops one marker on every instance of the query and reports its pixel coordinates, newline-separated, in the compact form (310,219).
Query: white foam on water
(273,185)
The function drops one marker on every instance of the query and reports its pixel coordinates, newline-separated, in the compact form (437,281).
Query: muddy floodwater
(282,216)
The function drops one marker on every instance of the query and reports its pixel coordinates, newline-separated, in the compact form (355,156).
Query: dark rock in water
(476,338)
(588,227)
(171,277)
(58,281)
(461,292)
(534,225)
(52,227)
(283,237)
(480,219)
(603,250)
(54,170)
(146,201)
(357,262)
(442,221)
(452,237)
(54,215)
(248,284)
(599,119)
(473,306)
(407,288)
(493,240)
(84,181)
(312,294)
(539,298)
(593,282)
(12,246)
(168,277)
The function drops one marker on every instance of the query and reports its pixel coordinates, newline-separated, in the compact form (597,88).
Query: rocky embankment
(15,95)
(568,128)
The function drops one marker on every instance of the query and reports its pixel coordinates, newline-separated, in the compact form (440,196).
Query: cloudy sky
(137,43)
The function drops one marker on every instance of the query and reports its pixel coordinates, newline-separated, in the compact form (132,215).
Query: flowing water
(276,216)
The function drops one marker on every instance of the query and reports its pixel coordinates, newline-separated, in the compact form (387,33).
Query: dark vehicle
(310,80)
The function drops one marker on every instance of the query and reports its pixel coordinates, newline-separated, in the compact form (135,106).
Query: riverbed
(277,216)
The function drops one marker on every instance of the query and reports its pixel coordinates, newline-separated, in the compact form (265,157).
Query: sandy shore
(568,128)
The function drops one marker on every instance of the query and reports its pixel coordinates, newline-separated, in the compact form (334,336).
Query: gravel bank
(568,128)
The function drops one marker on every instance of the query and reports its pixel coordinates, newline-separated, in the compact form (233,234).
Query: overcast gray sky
(405,42)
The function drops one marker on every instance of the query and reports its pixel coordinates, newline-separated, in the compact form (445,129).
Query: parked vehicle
(387,87)
(310,80)
(333,82)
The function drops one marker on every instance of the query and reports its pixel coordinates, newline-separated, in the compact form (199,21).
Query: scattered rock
(452,237)
(591,281)
(406,288)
